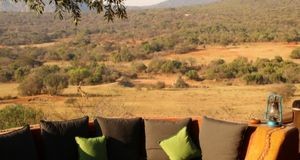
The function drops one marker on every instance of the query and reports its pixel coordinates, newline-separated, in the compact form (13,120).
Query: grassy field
(217,100)
(252,51)
(234,101)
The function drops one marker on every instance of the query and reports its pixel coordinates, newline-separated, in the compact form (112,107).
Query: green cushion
(92,148)
(180,146)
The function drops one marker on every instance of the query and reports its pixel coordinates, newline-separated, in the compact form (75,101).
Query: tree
(46,79)
(111,8)
(78,74)
(31,85)
(55,83)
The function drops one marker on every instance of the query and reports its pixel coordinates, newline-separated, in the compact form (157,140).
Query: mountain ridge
(9,6)
(182,3)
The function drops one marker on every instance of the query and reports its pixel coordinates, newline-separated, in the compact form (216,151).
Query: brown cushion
(158,130)
(59,138)
(220,139)
(18,145)
(123,137)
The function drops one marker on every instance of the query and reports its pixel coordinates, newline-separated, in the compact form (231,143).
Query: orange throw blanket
(265,143)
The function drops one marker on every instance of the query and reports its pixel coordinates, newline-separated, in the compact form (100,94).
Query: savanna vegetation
(226,22)
(18,115)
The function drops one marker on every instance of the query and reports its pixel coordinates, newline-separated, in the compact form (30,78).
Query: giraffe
(81,92)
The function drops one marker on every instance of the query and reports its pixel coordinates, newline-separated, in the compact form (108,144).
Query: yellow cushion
(265,143)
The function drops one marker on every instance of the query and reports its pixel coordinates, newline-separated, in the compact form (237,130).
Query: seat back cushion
(59,138)
(159,130)
(123,137)
(18,145)
(221,139)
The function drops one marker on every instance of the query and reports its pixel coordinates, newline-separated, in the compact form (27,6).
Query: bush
(155,65)
(17,115)
(184,48)
(125,82)
(5,75)
(160,85)
(171,66)
(192,74)
(153,46)
(30,86)
(46,79)
(295,53)
(292,74)
(166,66)
(20,73)
(78,74)
(123,56)
(180,83)
(237,68)
(55,83)
(138,67)
(101,74)
(256,78)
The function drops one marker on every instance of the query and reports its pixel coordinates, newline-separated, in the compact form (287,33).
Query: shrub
(69,56)
(20,73)
(78,74)
(292,74)
(295,53)
(193,75)
(30,86)
(110,76)
(180,83)
(46,79)
(256,78)
(138,67)
(17,115)
(123,56)
(153,46)
(171,66)
(125,82)
(5,75)
(237,68)
(184,48)
(101,74)
(55,83)
(159,85)
(155,65)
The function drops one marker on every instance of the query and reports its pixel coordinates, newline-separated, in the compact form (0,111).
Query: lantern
(274,110)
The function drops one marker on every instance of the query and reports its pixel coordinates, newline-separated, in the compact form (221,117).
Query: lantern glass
(274,110)
(273,114)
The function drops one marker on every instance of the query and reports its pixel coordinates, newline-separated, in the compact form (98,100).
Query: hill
(225,22)
(181,3)
(9,6)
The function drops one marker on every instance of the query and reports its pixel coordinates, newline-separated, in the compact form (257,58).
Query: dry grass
(7,89)
(221,101)
(232,102)
(252,51)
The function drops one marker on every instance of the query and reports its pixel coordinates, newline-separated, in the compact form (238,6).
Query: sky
(142,2)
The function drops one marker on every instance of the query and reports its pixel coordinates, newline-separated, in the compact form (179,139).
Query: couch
(288,148)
